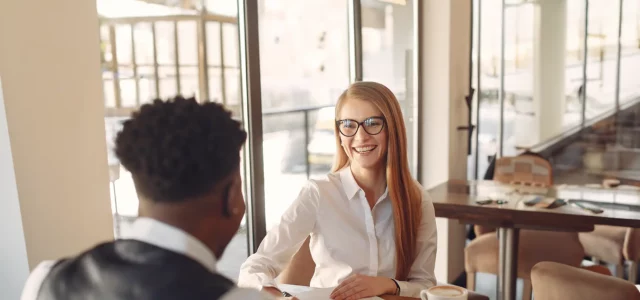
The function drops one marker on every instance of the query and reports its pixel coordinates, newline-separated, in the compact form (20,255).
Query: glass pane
(231,50)
(109,93)
(236,252)
(471,159)
(189,82)
(489,106)
(124,200)
(543,74)
(187,43)
(128,92)
(127,87)
(143,44)
(520,108)
(147,84)
(106,56)
(213,43)
(602,50)
(165,43)
(123,44)
(232,82)
(285,167)
(630,59)
(215,85)
(168,88)
(304,65)
(226,8)
(387,49)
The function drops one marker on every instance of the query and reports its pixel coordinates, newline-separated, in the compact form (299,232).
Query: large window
(155,51)
(548,68)
(387,55)
(152,49)
(630,51)
(304,68)
(602,49)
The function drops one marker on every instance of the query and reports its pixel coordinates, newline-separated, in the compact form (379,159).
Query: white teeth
(364,149)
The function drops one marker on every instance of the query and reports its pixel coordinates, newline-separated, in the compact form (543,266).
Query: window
(304,69)
(387,56)
(144,58)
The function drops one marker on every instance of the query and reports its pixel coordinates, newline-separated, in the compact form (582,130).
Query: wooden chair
(614,245)
(481,255)
(526,170)
(300,269)
(553,281)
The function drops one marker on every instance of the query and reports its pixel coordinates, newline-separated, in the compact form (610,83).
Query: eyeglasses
(372,126)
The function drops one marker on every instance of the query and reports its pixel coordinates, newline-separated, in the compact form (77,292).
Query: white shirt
(161,235)
(347,237)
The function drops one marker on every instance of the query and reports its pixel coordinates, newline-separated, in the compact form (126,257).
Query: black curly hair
(179,149)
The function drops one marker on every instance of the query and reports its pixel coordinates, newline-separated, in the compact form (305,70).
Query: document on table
(321,294)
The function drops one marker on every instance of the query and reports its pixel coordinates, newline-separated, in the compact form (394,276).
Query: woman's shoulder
(327,182)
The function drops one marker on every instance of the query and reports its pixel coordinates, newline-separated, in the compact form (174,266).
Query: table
(297,289)
(455,199)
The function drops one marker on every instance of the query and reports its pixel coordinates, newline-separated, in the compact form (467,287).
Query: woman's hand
(273,291)
(362,286)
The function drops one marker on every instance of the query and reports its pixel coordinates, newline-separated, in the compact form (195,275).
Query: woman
(372,226)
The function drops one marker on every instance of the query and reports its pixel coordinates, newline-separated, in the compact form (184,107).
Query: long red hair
(405,195)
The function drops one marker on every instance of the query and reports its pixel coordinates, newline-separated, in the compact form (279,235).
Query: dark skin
(199,216)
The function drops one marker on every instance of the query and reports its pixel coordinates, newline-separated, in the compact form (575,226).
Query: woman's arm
(421,276)
(281,242)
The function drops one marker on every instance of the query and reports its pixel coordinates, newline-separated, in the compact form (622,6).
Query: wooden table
(295,289)
(471,296)
(457,200)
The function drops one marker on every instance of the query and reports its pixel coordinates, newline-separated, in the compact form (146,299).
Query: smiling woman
(369,202)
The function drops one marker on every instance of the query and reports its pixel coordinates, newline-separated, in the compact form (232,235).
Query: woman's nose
(362,134)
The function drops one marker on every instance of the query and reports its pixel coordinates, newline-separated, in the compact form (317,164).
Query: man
(185,161)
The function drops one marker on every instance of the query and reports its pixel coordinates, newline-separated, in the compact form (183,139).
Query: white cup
(444,292)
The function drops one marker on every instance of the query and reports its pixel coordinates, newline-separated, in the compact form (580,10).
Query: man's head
(184,158)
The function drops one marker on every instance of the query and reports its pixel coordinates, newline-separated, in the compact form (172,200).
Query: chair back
(631,248)
(554,281)
(301,267)
(524,169)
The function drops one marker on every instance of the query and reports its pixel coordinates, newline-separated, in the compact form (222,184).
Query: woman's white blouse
(347,237)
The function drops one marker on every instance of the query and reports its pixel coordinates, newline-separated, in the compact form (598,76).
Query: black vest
(130,269)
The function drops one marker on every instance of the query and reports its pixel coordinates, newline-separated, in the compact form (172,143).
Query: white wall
(14,267)
(49,64)
(444,65)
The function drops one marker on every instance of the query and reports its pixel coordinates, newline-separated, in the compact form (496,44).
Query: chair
(300,270)
(301,267)
(526,169)
(616,246)
(553,281)
(481,255)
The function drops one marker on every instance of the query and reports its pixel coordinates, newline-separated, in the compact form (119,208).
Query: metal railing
(305,111)
(115,67)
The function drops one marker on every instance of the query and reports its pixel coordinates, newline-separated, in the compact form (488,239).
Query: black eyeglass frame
(360,124)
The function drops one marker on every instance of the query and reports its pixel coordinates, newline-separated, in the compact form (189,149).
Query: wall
(445,46)
(49,64)
(14,267)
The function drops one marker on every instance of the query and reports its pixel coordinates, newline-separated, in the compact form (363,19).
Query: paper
(315,294)
(322,294)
